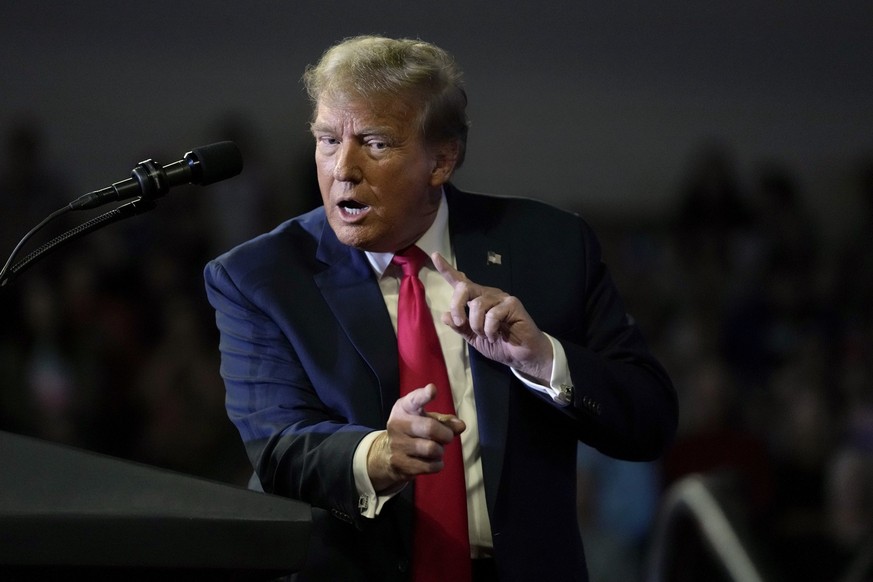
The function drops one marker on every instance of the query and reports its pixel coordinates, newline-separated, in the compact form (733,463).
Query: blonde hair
(420,73)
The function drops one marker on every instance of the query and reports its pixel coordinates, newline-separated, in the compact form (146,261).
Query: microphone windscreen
(218,161)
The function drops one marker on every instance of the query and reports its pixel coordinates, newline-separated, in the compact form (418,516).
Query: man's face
(380,183)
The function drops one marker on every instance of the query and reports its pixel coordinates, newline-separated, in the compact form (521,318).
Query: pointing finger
(449,273)
(460,288)
(449,420)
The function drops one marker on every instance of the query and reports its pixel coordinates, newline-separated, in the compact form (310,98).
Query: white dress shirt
(439,293)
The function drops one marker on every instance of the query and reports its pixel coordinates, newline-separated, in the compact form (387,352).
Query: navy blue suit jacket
(310,364)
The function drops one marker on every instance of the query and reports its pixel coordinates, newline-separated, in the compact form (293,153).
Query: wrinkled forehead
(381,109)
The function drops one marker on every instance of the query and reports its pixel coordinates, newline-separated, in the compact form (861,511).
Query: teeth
(354,211)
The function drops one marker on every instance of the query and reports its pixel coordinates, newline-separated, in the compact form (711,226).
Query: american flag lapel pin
(493,258)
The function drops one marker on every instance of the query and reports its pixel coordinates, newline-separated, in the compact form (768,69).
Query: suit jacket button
(341,515)
(403,566)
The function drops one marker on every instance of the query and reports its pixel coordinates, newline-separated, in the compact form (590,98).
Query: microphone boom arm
(138,206)
(149,180)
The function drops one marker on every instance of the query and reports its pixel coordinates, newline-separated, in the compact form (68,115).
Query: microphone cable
(28,236)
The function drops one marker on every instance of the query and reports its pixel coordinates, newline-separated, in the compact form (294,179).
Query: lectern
(68,511)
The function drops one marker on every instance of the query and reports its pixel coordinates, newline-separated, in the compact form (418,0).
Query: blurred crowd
(764,326)
(108,343)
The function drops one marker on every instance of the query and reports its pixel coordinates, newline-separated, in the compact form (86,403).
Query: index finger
(449,273)
(462,291)
(450,420)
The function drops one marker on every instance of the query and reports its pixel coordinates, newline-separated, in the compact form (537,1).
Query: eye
(327,140)
(377,144)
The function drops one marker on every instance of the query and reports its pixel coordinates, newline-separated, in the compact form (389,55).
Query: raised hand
(496,324)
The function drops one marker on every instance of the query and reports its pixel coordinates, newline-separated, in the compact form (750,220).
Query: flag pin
(493,258)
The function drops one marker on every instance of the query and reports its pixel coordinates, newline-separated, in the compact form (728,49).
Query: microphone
(204,165)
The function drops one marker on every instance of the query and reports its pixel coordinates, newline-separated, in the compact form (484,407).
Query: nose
(347,167)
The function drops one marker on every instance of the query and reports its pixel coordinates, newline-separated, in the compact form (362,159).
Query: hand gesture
(413,443)
(496,324)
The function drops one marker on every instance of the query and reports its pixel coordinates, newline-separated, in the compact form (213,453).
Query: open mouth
(352,208)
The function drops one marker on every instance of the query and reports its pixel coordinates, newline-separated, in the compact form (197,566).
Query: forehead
(361,114)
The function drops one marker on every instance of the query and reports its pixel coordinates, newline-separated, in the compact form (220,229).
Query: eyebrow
(383,130)
(319,127)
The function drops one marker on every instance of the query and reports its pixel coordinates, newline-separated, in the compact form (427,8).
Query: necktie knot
(411,260)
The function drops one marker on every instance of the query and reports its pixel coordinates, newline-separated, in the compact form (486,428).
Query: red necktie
(441,541)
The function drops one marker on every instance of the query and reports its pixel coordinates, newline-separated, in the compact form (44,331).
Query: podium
(68,511)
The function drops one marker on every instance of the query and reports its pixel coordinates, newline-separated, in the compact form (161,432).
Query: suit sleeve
(298,447)
(624,403)
(624,394)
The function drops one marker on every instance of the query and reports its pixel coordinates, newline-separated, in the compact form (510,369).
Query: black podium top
(64,510)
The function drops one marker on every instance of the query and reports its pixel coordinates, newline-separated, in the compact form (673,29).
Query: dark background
(591,105)
(723,151)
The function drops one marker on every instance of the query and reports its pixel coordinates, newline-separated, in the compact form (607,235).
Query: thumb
(414,402)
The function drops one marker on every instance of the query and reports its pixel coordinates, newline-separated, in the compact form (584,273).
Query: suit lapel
(486,260)
(350,289)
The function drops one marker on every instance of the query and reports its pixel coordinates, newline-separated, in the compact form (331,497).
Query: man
(538,350)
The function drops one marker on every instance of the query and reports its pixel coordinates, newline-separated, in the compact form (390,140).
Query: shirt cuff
(560,387)
(369,502)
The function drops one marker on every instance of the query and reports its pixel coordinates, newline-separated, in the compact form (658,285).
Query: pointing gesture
(414,441)
(496,324)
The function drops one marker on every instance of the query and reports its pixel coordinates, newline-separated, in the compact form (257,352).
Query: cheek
(321,164)
(324,174)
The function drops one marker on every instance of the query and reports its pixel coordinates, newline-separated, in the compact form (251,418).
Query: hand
(413,443)
(497,325)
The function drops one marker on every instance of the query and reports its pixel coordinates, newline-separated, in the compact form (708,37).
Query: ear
(445,157)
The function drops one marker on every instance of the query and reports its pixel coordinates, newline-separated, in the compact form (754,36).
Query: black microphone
(204,165)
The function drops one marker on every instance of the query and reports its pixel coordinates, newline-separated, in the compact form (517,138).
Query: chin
(365,238)
(354,237)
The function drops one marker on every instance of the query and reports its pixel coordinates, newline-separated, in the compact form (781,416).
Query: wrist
(537,375)
(384,480)
(539,369)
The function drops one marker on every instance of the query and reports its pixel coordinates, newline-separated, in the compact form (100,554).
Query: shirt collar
(435,238)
